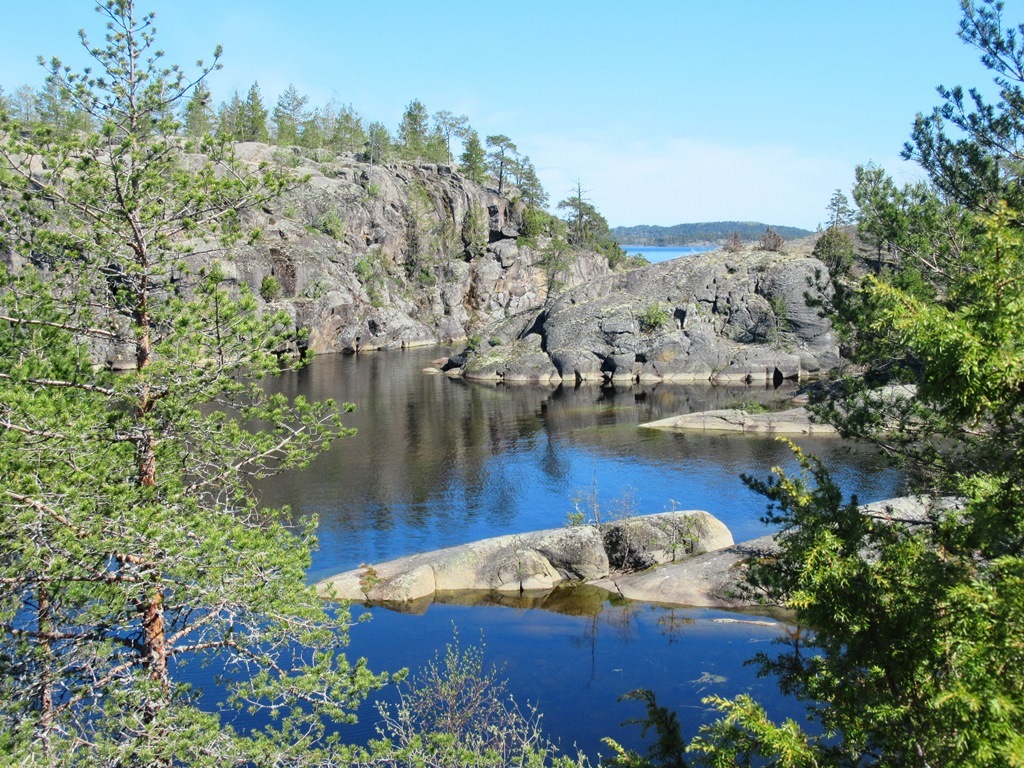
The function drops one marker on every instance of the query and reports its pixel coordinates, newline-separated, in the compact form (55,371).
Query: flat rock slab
(709,580)
(795,421)
(534,561)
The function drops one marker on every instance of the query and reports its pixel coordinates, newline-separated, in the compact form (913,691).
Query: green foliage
(447,125)
(416,141)
(834,249)
(554,260)
(840,212)
(500,158)
(331,224)
(587,228)
(289,116)
(456,712)
(653,317)
(473,160)
(270,288)
(668,747)
(525,179)
(342,127)
(371,271)
(198,114)
(131,545)
(751,406)
(475,232)
(915,654)
(380,147)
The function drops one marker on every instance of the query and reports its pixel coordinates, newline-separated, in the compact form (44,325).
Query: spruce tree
(253,117)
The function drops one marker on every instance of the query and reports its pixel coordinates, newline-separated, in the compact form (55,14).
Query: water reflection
(438,462)
(576,666)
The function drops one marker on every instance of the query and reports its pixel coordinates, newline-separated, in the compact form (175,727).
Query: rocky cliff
(742,317)
(369,256)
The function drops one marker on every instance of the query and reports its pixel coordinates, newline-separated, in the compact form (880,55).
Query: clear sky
(667,111)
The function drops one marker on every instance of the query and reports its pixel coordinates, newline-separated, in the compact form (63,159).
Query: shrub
(734,243)
(456,711)
(270,288)
(652,318)
(330,223)
(771,241)
(835,250)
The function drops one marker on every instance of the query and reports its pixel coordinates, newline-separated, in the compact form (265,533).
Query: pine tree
(503,153)
(379,146)
(417,142)
(131,545)
(473,160)
(914,657)
(289,115)
(447,125)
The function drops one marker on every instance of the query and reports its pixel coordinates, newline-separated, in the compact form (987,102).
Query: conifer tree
(253,117)
(131,544)
(501,157)
(916,620)
(289,115)
(473,160)
(199,117)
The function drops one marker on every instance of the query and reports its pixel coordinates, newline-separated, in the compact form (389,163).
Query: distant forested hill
(699,233)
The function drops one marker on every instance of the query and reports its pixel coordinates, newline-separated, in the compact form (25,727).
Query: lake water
(657,253)
(439,462)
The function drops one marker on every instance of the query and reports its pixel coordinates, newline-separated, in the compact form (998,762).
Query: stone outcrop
(744,317)
(535,561)
(710,580)
(371,256)
(673,558)
(795,421)
(713,579)
(365,256)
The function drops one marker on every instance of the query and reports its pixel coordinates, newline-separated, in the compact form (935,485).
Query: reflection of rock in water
(568,600)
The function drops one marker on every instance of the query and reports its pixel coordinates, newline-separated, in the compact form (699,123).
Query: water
(658,253)
(438,462)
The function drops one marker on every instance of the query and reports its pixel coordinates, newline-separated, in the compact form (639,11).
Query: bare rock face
(638,543)
(385,256)
(748,317)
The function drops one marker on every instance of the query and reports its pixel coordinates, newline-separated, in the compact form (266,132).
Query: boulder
(637,543)
(532,561)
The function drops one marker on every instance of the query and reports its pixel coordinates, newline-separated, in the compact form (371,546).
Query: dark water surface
(438,462)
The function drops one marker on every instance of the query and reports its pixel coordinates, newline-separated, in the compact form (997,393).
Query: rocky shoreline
(683,558)
(794,421)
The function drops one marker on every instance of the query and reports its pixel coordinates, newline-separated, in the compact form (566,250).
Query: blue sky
(666,111)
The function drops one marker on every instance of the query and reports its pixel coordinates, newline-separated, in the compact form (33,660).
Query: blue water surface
(439,462)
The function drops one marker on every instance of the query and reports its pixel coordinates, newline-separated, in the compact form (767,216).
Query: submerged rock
(795,421)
